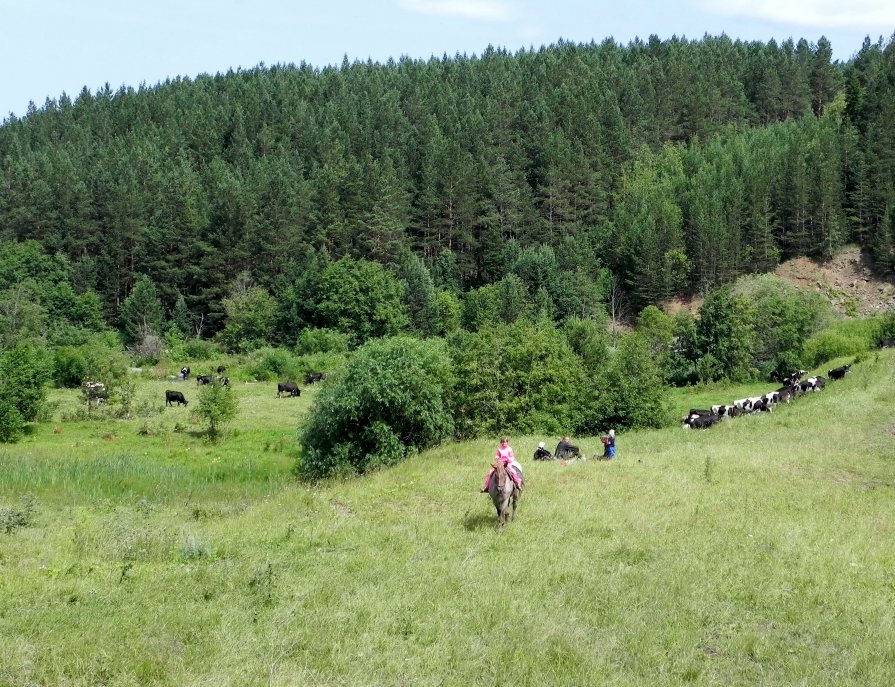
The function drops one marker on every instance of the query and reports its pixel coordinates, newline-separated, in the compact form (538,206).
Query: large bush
(23,374)
(786,317)
(631,392)
(217,405)
(846,337)
(321,340)
(393,398)
(273,363)
(521,377)
(725,330)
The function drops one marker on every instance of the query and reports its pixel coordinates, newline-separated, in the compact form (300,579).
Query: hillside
(848,279)
(756,552)
(674,166)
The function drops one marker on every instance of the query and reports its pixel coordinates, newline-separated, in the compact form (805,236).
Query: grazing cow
(312,377)
(290,388)
(761,405)
(887,343)
(839,372)
(172,397)
(203,379)
(813,384)
(784,396)
(792,379)
(701,421)
(223,381)
(184,373)
(221,369)
(696,413)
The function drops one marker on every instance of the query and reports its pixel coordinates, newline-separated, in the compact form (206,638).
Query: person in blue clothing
(609,445)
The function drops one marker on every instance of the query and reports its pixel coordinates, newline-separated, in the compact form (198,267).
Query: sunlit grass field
(759,552)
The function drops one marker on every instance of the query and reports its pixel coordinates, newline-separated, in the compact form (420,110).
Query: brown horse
(504,494)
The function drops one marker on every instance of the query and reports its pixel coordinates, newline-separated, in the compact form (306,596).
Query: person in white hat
(541,453)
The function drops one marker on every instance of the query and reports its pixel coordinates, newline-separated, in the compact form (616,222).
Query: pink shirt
(505,454)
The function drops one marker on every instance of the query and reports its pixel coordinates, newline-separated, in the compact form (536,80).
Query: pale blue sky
(48,47)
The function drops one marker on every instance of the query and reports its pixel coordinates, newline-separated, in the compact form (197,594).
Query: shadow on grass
(474,522)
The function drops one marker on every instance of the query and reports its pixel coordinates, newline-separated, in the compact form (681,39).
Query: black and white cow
(312,377)
(172,397)
(184,373)
(839,372)
(887,343)
(813,384)
(290,388)
(203,379)
(701,421)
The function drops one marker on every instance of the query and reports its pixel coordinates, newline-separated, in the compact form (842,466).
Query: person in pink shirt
(506,456)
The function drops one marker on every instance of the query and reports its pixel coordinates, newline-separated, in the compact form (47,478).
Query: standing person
(506,456)
(609,445)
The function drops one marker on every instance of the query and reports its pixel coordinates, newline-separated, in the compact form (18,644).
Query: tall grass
(758,552)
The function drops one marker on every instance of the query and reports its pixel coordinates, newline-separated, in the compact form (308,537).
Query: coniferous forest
(665,166)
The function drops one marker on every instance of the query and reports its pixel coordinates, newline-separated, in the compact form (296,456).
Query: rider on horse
(506,456)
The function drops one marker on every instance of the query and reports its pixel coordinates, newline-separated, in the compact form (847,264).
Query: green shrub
(13,518)
(23,374)
(12,426)
(846,337)
(521,377)
(321,340)
(273,363)
(199,349)
(69,367)
(217,405)
(786,318)
(392,399)
(631,393)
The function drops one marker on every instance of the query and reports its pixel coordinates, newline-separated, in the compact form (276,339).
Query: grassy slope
(759,552)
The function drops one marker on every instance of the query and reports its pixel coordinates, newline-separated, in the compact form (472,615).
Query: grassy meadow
(759,552)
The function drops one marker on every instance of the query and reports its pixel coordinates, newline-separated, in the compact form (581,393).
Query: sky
(51,47)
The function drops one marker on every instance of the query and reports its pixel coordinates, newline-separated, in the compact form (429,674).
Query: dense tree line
(671,166)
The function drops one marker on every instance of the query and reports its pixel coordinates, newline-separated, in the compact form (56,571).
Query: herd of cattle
(290,388)
(793,386)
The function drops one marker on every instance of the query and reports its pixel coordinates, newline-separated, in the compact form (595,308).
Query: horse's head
(500,475)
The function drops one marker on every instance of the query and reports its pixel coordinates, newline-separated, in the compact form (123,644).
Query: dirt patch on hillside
(848,280)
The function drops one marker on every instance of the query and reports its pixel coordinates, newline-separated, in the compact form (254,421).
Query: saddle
(510,472)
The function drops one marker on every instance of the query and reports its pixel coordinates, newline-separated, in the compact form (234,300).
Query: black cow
(887,343)
(203,379)
(312,377)
(172,397)
(290,388)
(839,372)
(701,421)
(185,373)
(221,369)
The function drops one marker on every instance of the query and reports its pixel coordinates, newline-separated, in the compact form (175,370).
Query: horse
(504,494)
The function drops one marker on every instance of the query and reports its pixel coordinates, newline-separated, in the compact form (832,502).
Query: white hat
(541,445)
